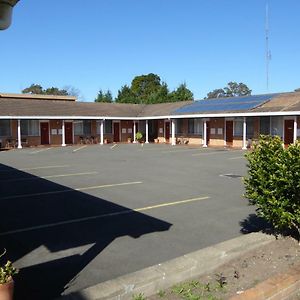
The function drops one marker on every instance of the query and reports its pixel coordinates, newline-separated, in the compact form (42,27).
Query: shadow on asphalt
(48,280)
(254,223)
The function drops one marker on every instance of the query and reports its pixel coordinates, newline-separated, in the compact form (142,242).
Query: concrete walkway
(162,276)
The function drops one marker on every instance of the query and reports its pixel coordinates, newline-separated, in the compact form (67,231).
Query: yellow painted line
(80,148)
(118,213)
(180,150)
(44,167)
(67,175)
(70,190)
(237,157)
(209,153)
(12,169)
(50,176)
(171,203)
(38,151)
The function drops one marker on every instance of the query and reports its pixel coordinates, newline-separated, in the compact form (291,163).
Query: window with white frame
(264,125)
(195,126)
(107,127)
(82,127)
(30,127)
(277,126)
(250,128)
(238,127)
(5,128)
(78,128)
(179,126)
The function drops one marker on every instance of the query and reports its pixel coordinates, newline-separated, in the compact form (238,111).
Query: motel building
(34,120)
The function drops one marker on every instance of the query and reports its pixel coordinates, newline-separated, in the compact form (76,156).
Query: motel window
(264,125)
(83,127)
(238,127)
(191,127)
(277,126)
(195,126)
(179,126)
(107,127)
(78,128)
(87,127)
(5,129)
(250,128)
(30,127)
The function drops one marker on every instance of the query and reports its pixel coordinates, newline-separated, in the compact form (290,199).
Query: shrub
(138,136)
(273,182)
(7,271)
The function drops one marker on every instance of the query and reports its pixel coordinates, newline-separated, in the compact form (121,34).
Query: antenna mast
(268,53)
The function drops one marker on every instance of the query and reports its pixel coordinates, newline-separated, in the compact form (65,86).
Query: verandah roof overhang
(188,116)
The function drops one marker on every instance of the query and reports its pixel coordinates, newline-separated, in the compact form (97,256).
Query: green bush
(139,136)
(273,182)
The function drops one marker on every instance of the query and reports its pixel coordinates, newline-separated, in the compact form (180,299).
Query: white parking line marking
(80,148)
(38,151)
(113,146)
(49,176)
(70,190)
(123,212)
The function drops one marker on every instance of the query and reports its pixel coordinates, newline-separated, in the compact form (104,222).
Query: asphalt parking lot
(75,216)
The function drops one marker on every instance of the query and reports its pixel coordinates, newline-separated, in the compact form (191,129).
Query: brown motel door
(116,132)
(288,132)
(229,133)
(44,133)
(68,133)
(167,133)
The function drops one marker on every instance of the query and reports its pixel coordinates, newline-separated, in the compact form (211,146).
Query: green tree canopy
(182,93)
(150,89)
(104,96)
(125,95)
(38,89)
(233,89)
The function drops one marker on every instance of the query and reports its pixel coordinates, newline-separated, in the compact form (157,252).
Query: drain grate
(231,175)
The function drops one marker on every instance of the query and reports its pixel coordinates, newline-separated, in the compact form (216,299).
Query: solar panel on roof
(225,104)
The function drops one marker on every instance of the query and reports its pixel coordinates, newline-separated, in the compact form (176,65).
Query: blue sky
(100,44)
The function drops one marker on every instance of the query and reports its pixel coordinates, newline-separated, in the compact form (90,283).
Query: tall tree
(125,95)
(233,89)
(182,93)
(104,96)
(144,85)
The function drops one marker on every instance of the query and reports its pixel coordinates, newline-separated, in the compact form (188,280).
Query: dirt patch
(239,274)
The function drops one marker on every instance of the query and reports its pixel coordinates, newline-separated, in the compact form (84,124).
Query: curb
(162,276)
(279,287)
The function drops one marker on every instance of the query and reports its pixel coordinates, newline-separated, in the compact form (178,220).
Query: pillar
(19,135)
(147,132)
(173,133)
(134,132)
(244,134)
(63,137)
(295,129)
(101,132)
(204,134)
